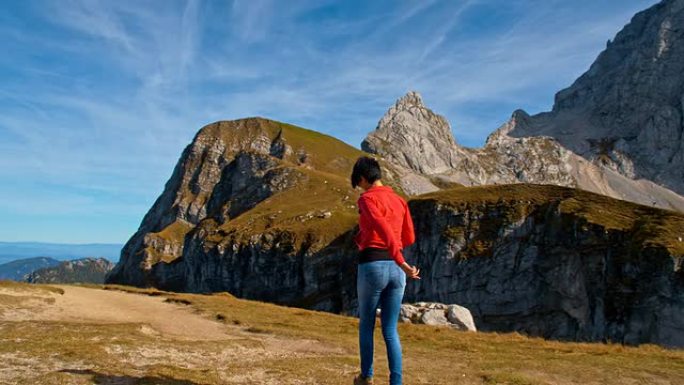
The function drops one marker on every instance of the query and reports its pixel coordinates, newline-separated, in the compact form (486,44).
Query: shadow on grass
(110,379)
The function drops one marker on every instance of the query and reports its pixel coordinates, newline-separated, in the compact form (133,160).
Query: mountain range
(10,251)
(19,269)
(83,270)
(566,224)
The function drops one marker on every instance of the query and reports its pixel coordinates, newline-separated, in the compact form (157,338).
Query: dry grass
(322,350)
(21,286)
(300,212)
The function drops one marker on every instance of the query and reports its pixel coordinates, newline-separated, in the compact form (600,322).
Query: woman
(385,227)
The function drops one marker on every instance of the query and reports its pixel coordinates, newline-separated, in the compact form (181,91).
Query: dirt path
(88,305)
(90,335)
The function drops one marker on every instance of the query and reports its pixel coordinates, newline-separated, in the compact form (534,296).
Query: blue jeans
(380,283)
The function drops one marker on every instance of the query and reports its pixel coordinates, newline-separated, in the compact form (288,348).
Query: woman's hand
(411,271)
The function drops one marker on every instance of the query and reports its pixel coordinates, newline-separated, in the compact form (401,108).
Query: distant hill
(10,251)
(85,270)
(18,270)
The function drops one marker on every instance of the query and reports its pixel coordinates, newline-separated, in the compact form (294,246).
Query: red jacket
(385,221)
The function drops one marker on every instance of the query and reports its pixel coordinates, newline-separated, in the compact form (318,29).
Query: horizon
(100,98)
(14,251)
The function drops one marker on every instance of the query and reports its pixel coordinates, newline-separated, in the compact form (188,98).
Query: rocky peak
(519,117)
(412,99)
(413,136)
(626,113)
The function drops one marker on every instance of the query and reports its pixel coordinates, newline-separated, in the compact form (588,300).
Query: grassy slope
(431,355)
(654,226)
(328,167)
(287,211)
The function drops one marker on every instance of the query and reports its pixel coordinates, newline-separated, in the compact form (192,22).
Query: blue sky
(99,98)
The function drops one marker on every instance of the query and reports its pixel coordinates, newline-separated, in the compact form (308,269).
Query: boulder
(437,314)
(461,318)
(434,317)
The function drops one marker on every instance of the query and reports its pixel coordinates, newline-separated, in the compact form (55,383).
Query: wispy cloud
(100,97)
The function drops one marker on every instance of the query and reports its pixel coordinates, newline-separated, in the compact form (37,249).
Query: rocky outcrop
(422,146)
(412,136)
(547,261)
(552,262)
(84,270)
(438,314)
(626,113)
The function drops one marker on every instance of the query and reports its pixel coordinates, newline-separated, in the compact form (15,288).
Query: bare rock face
(278,225)
(618,130)
(551,262)
(414,137)
(428,158)
(264,210)
(626,113)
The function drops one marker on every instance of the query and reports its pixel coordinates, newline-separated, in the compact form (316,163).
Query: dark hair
(366,167)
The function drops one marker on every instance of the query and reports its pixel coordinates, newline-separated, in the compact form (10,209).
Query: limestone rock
(520,261)
(433,317)
(437,314)
(409,313)
(626,113)
(421,145)
(412,136)
(461,318)
(542,260)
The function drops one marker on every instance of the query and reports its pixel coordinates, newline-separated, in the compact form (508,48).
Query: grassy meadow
(269,344)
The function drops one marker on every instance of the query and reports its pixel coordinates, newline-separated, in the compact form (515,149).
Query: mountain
(264,210)
(18,270)
(618,130)
(84,270)
(256,207)
(16,250)
(626,113)
(525,232)
(421,143)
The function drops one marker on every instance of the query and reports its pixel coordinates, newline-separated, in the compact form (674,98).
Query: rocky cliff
(553,262)
(626,113)
(544,260)
(264,210)
(618,130)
